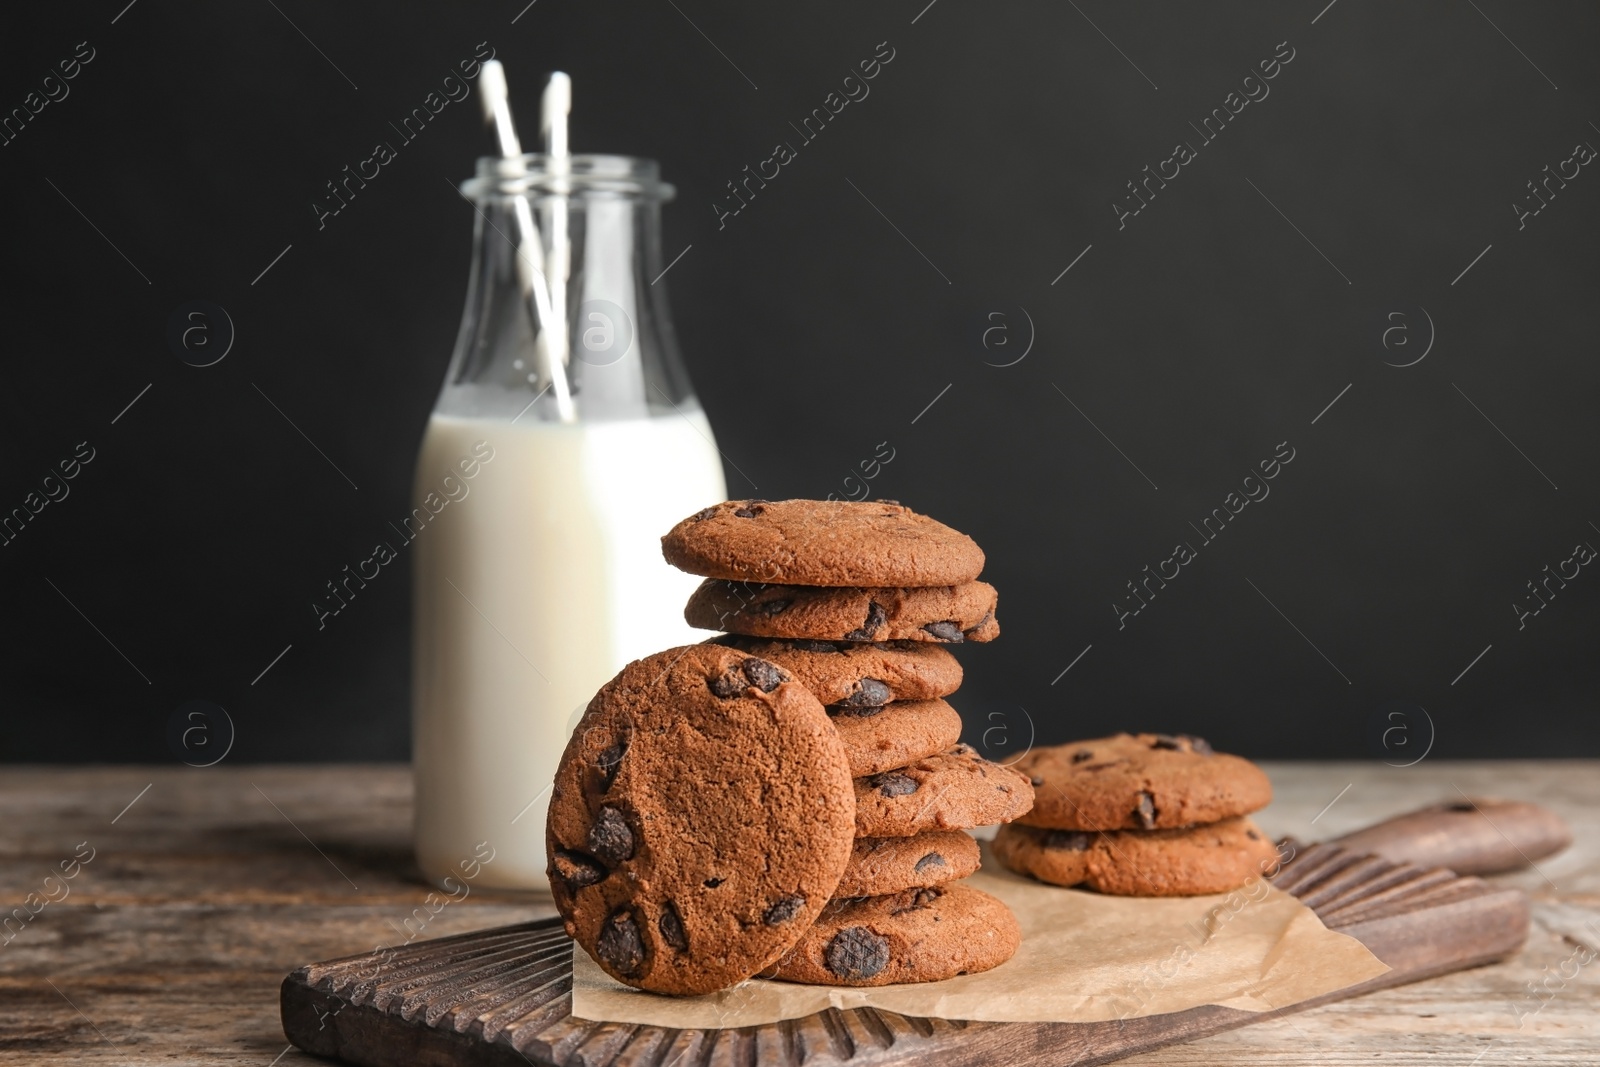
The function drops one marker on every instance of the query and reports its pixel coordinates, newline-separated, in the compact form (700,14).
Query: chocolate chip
(856,952)
(609,763)
(619,944)
(869,693)
(807,645)
(763,675)
(850,711)
(1199,745)
(1071,840)
(1036,782)
(1101,766)
(1081,755)
(1252,835)
(576,869)
(783,909)
(712,883)
(728,685)
(893,784)
(1145,812)
(876,617)
(746,513)
(932,859)
(945,631)
(610,838)
(671,926)
(771,607)
(752,671)
(1168,742)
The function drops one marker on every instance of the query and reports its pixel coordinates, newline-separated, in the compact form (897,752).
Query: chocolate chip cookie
(701,817)
(881,865)
(949,614)
(919,935)
(951,791)
(1139,782)
(1141,863)
(860,675)
(821,542)
(881,739)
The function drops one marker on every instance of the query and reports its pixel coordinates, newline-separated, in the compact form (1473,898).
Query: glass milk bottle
(542,490)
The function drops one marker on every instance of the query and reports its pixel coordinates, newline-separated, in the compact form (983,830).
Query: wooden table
(170,942)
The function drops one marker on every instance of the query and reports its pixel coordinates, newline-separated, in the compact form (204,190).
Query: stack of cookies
(791,799)
(854,600)
(1146,815)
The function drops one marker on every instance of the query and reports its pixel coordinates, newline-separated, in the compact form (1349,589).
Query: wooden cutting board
(503,996)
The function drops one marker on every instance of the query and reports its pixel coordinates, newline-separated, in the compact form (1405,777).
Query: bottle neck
(599,331)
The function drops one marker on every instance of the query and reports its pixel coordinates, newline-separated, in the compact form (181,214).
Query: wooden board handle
(1469,836)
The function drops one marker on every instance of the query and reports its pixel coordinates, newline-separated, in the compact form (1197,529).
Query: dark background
(1197,338)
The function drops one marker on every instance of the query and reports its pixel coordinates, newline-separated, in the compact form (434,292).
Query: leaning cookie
(1140,782)
(881,739)
(920,935)
(954,790)
(821,542)
(859,675)
(701,817)
(880,865)
(1141,863)
(949,614)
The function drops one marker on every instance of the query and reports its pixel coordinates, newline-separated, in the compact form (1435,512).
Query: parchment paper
(1085,957)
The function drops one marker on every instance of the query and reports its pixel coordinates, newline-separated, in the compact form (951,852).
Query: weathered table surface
(171,941)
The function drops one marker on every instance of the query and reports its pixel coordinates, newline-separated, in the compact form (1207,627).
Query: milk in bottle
(540,574)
